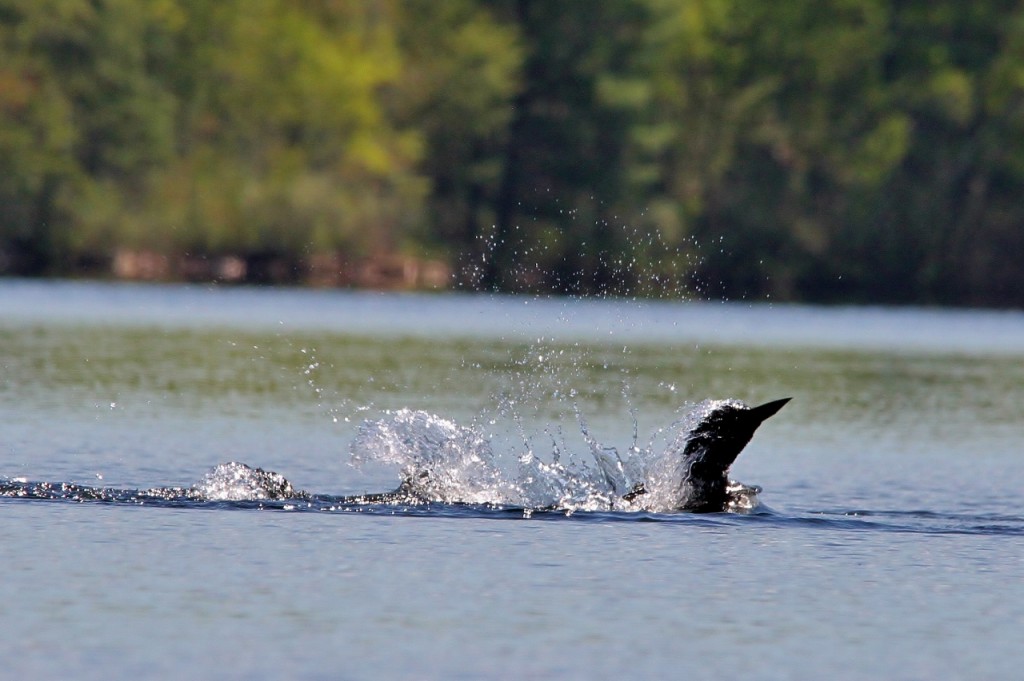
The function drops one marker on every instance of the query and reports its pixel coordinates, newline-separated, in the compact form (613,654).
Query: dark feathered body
(711,449)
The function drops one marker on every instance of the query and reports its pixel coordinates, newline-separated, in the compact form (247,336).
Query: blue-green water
(891,545)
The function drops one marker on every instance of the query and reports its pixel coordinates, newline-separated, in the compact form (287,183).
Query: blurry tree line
(824,150)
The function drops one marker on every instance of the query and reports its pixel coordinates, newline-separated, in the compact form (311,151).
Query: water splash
(439,459)
(235,481)
(443,461)
(495,462)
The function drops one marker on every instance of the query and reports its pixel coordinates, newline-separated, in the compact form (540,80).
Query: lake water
(890,544)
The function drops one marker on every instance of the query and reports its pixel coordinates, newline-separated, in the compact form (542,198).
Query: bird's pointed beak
(762,412)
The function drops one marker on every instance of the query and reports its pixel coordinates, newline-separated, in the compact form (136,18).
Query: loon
(711,448)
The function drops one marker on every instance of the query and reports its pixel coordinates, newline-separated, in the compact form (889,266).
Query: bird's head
(714,443)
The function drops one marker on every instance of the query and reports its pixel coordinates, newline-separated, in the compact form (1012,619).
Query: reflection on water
(293,399)
(891,483)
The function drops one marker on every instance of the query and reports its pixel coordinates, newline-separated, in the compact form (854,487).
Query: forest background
(811,150)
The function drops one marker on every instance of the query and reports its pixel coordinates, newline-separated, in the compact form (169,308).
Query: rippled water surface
(890,543)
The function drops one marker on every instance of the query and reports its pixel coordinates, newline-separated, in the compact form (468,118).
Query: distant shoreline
(397,274)
(384,272)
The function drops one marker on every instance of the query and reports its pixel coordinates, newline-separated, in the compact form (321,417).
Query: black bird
(711,448)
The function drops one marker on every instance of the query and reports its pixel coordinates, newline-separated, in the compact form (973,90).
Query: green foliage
(462,70)
(288,148)
(830,150)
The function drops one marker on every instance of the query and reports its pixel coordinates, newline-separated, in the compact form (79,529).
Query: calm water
(891,546)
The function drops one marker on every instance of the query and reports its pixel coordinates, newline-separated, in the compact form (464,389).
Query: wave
(245,497)
(444,463)
(450,470)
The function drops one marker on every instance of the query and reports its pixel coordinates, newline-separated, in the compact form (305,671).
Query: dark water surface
(891,543)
